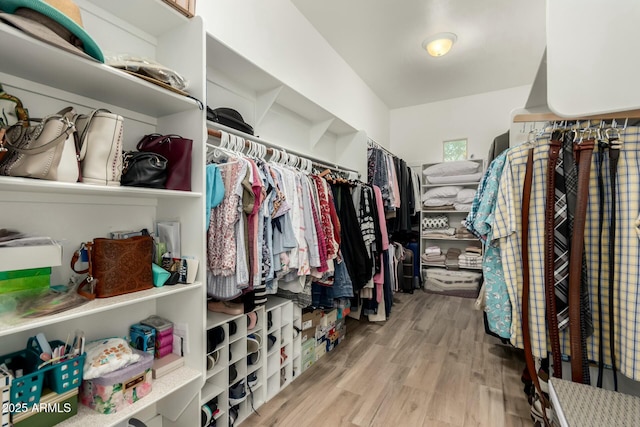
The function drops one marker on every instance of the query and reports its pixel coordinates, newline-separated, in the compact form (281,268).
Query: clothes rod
(270,147)
(371,143)
(550,117)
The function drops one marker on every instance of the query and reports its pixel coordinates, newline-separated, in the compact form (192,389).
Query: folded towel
(433,250)
(473,250)
(448,207)
(462,207)
(446,231)
(432,258)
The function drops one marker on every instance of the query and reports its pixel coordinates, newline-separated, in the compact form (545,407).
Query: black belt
(614,154)
(602,145)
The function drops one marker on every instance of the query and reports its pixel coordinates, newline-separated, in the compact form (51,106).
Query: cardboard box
(308,348)
(330,318)
(55,409)
(308,362)
(321,350)
(311,319)
(26,257)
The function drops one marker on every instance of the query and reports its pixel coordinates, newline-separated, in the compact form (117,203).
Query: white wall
(276,37)
(417,132)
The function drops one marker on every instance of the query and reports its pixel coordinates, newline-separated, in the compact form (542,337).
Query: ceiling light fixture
(439,44)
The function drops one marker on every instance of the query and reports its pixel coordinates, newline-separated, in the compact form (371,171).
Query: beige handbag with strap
(100,144)
(44,151)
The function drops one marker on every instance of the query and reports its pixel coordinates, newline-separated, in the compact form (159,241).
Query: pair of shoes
(271,341)
(212,359)
(252,379)
(252,320)
(215,337)
(296,332)
(233,373)
(253,358)
(237,393)
(269,320)
(254,342)
(536,412)
(283,356)
(233,415)
(226,307)
(233,328)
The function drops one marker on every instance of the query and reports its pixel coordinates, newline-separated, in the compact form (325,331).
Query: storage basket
(116,390)
(62,376)
(25,390)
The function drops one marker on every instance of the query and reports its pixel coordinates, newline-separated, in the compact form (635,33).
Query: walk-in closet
(299,213)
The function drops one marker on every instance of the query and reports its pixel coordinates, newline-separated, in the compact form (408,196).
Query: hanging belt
(614,154)
(583,151)
(602,146)
(526,335)
(555,147)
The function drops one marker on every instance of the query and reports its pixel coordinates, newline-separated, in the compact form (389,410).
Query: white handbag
(44,151)
(100,144)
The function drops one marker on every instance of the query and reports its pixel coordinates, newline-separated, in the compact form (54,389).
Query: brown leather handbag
(116,266)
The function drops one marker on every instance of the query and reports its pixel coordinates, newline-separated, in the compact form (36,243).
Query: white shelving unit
(219,382)
(455,219)
(284,357)
(48,79)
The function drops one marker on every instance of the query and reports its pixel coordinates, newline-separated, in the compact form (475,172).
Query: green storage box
(24,280)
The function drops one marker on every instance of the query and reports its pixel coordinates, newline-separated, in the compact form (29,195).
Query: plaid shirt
(627,255)
(507,228)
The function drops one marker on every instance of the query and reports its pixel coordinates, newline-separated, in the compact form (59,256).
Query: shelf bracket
(264,102)
(318,129)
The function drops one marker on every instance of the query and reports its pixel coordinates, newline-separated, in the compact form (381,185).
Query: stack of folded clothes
(471,258)
(463,233)
(456,283)
(463,171)
(433,255)
(452,258)
(439,233)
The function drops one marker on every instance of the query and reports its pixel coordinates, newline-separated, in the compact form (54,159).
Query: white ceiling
(500,44)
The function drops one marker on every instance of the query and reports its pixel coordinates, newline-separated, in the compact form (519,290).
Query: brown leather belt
(582,151)
(524,242)
(555,147)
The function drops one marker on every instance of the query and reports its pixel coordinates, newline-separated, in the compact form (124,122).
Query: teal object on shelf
(160,275)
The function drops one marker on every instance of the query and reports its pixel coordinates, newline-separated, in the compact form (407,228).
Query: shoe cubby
(237,329)
(237,351)
(276,318)
(287,314)
(273,363)
(273,385)
(273,342)
(286,334)
(297,341)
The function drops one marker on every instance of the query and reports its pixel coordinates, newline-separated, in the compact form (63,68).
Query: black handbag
(144,169)
(229,117)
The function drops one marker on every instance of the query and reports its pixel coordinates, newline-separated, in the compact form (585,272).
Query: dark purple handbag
(177,150)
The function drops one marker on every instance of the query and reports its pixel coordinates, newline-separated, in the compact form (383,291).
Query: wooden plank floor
(430,364)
